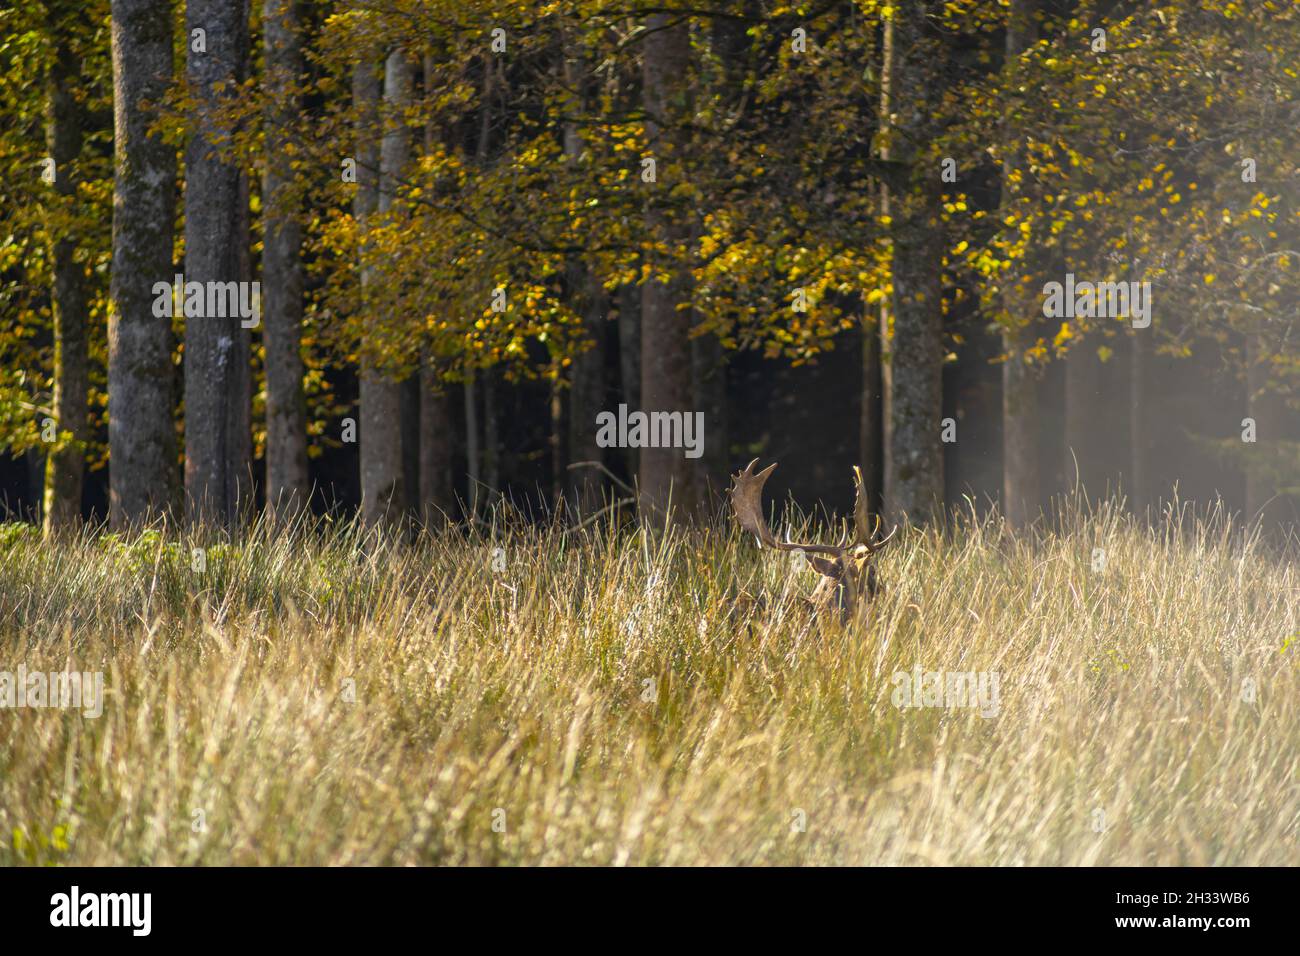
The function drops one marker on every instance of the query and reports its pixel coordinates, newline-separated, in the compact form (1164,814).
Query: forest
(389,390)
(469,229)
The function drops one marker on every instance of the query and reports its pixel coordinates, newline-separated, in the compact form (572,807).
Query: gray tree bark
(1263,503)
(1139,478)
(587,393)
(629,358)
(586,486)
(665,475)
(473,459)
(877,377)
(885,321)
(383,492)
(914,481)
(870,433)
(914,485)
(491,436)
(1021,479)
(557,445)
(409,396)
(65,467)
(436,495)
(709,384)
(287,483)
(217,469)
(709,357)
(141,429)
(1084,415)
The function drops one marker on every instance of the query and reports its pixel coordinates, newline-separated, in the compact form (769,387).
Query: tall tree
(587,388)
(587,393)
(914,481)
(629,356)
(473,436)
(874,442)
(141,432)
(1139,458)
(436,431)
(1020,458)
(435,494)
(1085,452)
(491,434)
(709,386)
(664,474)
(65,467)
(383,488)
(217,472)
(1267,409)
(282,267)
(870,432)
(730,45)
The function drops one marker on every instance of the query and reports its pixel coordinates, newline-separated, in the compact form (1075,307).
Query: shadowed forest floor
(601,697)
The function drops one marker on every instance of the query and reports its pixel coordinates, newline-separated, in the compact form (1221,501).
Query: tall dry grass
(602,701)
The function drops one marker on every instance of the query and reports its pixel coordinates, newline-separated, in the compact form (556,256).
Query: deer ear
(830,567)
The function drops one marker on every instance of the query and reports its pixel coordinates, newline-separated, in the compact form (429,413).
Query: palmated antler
(747,505)
(863,535)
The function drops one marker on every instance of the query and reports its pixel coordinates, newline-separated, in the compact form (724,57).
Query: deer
(849,579)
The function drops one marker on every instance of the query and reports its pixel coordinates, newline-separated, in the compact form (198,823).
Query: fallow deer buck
(848,573)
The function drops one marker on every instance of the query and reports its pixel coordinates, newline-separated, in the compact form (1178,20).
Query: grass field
(600,697)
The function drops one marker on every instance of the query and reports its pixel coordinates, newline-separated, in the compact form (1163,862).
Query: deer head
(848,577)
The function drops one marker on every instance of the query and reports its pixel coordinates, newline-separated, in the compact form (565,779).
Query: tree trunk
(665,476)
(383,493)
(870,438)
(491,436)
(141,428)
(709,358)
(1084,413)
(1020,471)
(877,379)
(1021,479)
(914,485)
(709,384)
(65,467)
(665,386)
(409,394)
(914,482)
(287,487)
(473,438)
(884,323)
(629,358)
(557,445)
(436,496)
(1263,502)
(215,376)
(473,460)
(586,485)
(1139,437)
(241,412)
(587,394)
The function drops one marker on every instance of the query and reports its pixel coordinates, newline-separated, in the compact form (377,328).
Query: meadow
(607,696)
